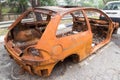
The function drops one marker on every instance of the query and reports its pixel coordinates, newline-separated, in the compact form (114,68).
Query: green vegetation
(19,6)
(88,3)
(5,10)
(47,2)
(0,11)
(69,2)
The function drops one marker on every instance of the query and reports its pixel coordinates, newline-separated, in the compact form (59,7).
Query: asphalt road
(103,65)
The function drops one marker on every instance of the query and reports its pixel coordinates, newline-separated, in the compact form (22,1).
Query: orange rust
(37,47)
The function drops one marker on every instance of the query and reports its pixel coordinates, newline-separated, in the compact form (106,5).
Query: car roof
(113,2)
(53,8)
(58,9)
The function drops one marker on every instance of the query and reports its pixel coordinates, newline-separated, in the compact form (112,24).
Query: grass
(3,31)
(66,21)
(94,17)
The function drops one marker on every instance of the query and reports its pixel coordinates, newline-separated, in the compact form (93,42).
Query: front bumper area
(41,70)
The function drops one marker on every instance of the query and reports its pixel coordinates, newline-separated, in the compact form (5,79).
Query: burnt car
(43,36)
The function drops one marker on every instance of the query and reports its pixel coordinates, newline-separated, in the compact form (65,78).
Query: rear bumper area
(18,59)
(41,70)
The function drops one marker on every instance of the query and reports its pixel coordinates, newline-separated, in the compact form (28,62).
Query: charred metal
(42,37)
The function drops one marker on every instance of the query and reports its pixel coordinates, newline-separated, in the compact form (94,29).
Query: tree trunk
(104,1)
(22,7)
(0,11)
(36,3)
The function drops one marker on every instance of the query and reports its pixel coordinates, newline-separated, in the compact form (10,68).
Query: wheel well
(60,66)
(74,58)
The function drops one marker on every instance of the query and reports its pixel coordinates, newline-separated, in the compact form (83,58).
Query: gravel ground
(104,65)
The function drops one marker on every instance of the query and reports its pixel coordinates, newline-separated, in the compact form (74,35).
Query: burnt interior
(77,24)
(27,33)
(99,28)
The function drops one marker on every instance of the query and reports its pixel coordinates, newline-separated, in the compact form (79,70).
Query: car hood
(112,13)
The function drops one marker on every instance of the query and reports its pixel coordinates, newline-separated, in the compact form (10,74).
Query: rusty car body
(43,36)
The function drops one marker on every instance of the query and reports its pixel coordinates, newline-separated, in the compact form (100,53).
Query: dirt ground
(104,65)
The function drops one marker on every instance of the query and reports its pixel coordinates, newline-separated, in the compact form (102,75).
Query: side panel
(76,44)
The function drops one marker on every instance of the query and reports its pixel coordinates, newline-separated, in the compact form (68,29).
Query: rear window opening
(30,29)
